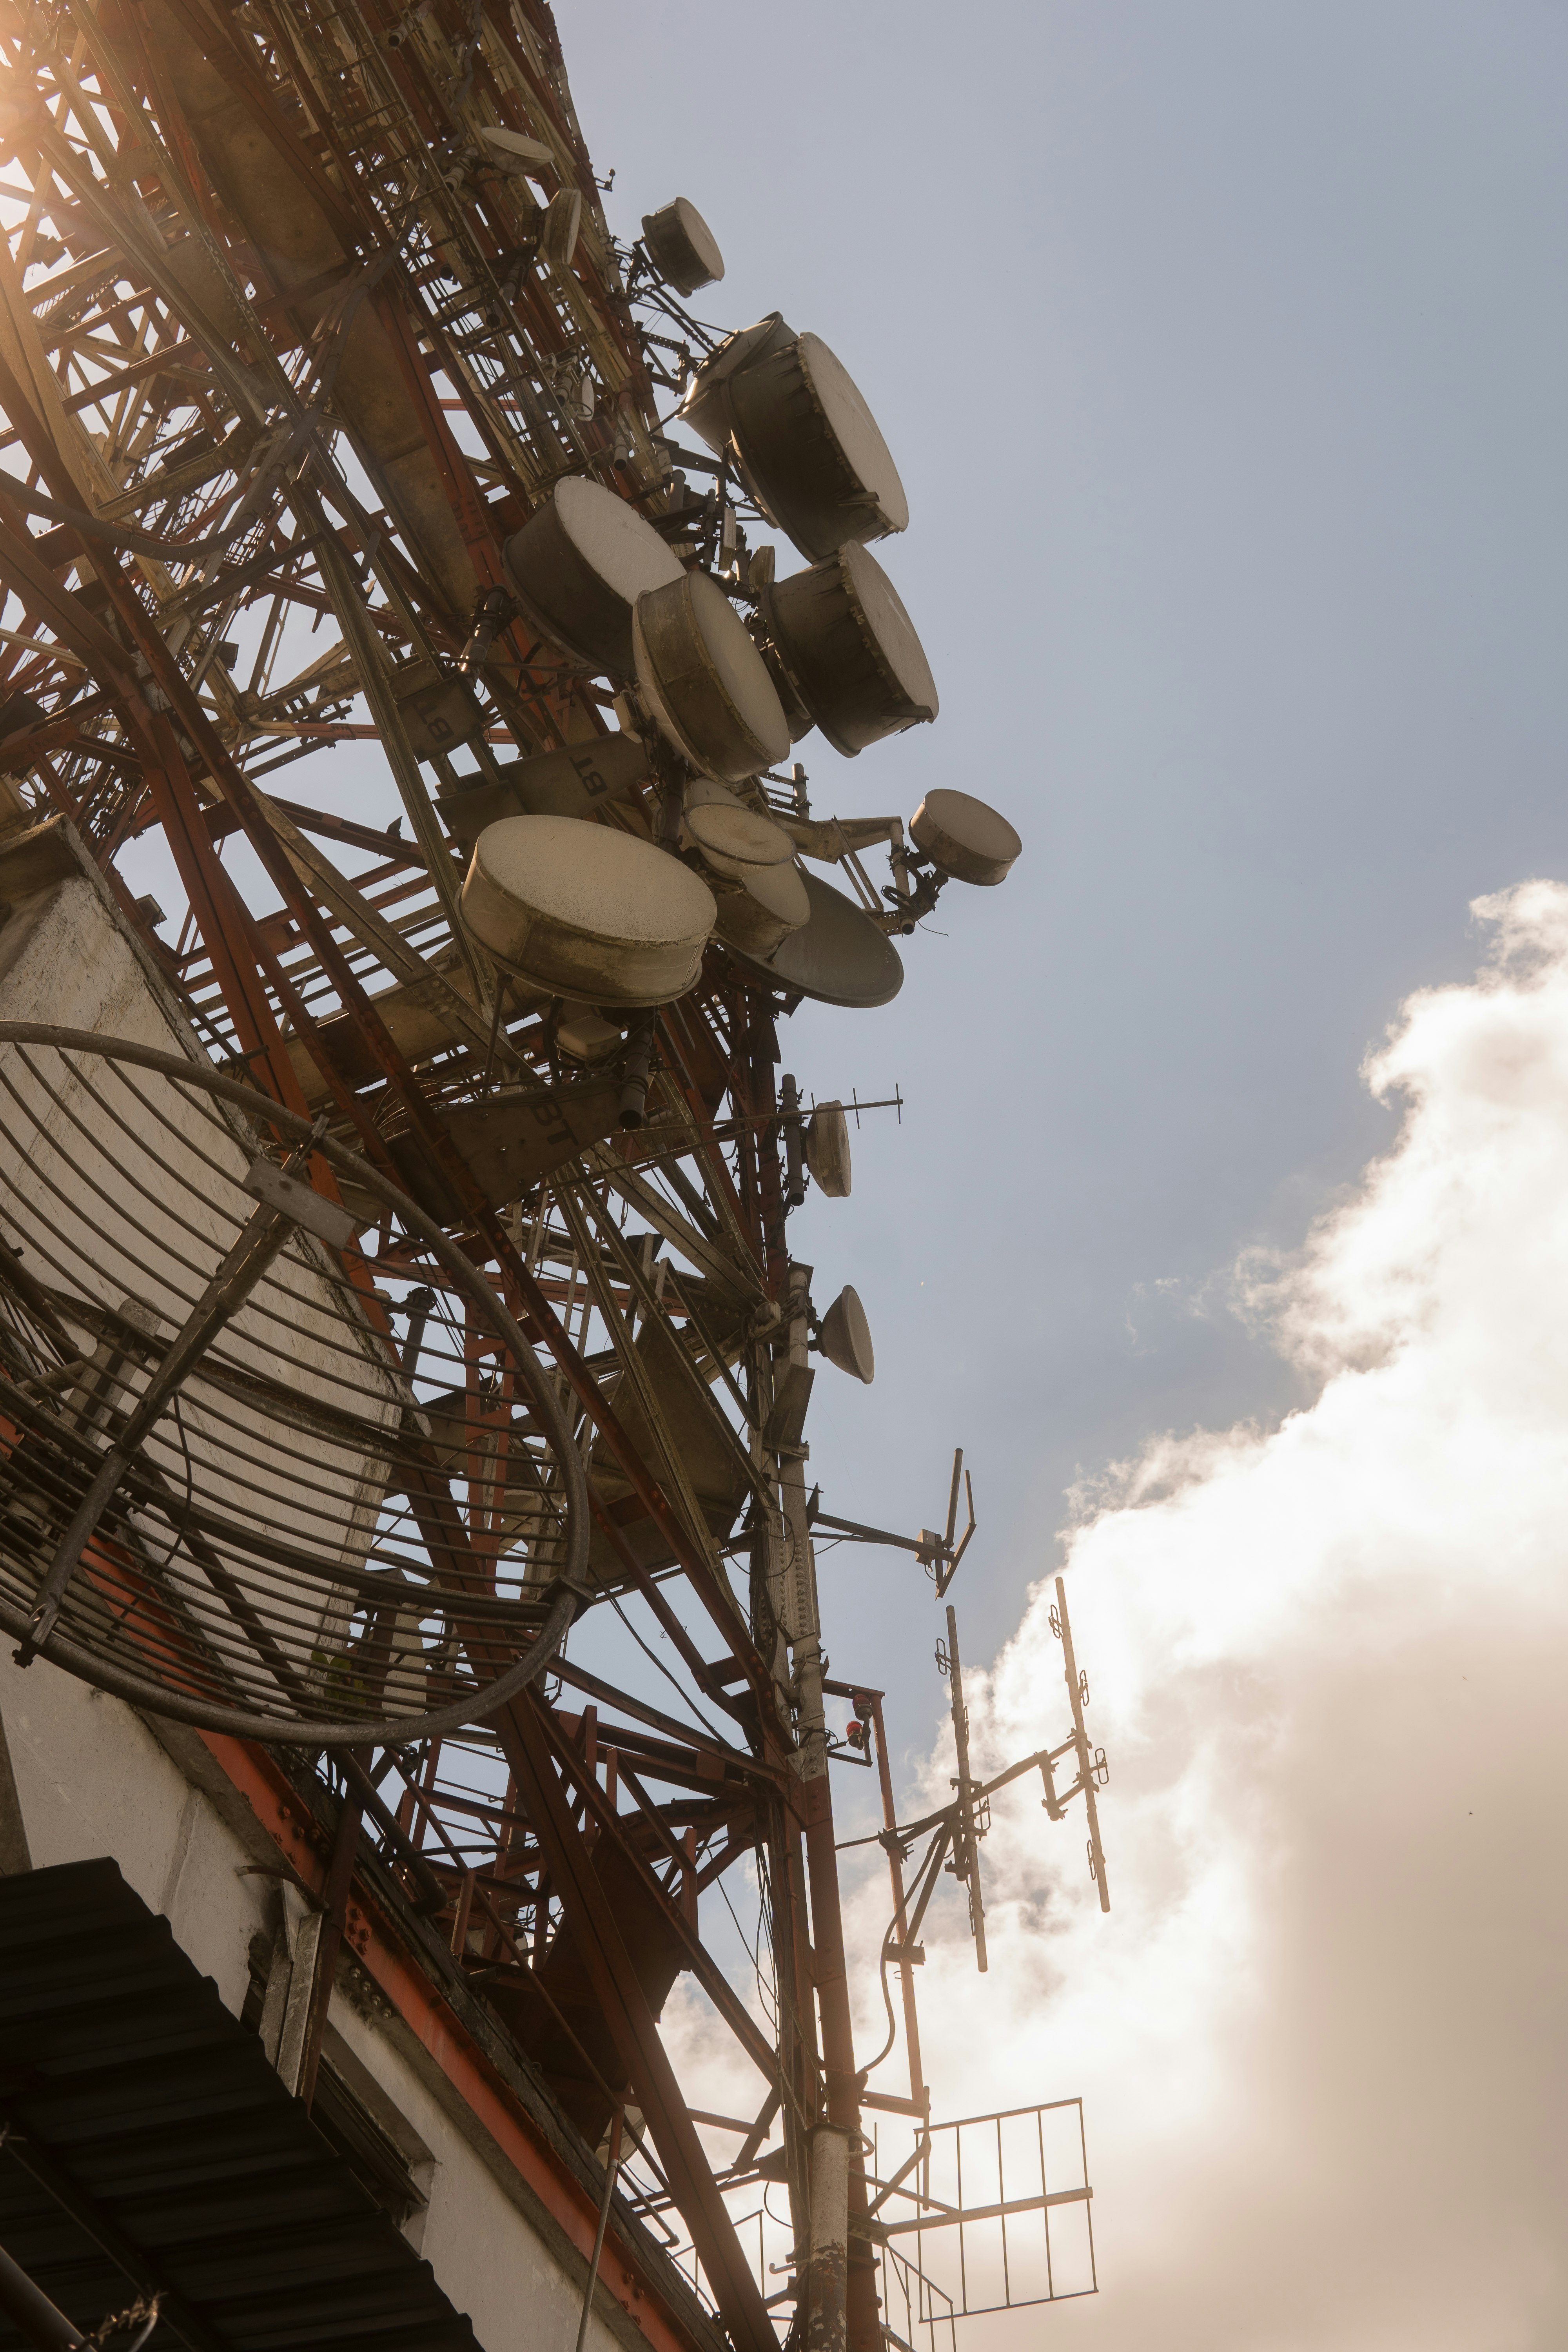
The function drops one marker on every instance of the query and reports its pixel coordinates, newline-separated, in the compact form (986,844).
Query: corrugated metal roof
(153,2113)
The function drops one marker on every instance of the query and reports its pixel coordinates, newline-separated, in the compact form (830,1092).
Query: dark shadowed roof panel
(162,2131)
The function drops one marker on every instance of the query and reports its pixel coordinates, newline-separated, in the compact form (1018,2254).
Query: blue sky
(1222,349)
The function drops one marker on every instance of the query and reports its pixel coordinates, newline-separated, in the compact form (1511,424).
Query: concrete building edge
(244,1785)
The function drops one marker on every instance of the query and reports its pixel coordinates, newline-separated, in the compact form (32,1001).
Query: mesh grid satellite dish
(810,448)
(681,246)
(846,654)
(587,913)
(839,956)
(219,1495)
(964,837)
(704,681)
(578,566)
(847,1336)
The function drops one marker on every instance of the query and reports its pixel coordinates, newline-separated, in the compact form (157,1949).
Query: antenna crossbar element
(934,1551)
(946,1561)
(1090,1766)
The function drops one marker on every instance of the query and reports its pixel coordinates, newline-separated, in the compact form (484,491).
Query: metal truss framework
(289,346)
(284,338)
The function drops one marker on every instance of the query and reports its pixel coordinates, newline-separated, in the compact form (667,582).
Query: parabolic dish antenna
(219,1495)
(758,918)
(827,1150)
(811,448)
(681,246)
(839,956)
(848,651)
(516,152)
(704,681)
(587,913)
(964,837)
(847,1336)
(703,407)
(576,782)
(578,566)
(736,841)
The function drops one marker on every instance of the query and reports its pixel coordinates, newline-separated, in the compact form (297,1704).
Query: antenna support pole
(918,2091)
(966,1860)
(828,2284)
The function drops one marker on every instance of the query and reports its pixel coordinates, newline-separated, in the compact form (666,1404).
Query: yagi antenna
(937,1551)
(959,1826)
(1093,1769)
(934,1552)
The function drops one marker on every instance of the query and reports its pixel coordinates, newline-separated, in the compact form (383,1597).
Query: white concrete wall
(93,1780)
(513,2291)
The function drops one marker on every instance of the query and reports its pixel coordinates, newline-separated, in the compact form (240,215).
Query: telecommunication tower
(398,1310)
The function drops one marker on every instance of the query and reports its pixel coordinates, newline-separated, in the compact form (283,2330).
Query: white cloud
(1321,2036)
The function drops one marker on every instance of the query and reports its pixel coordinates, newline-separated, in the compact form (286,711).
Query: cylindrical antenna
(794,1172)
(635,1070)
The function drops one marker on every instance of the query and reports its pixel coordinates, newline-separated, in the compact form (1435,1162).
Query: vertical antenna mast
(972,1821)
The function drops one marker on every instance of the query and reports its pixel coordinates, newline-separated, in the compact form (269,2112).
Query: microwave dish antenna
(808,444)
(578,566)
(563,223)
(802,437)
(847,1336)
(704,681)
(577,781)
(737,841)
(703,407)
(771,904)
(846,652)
(827,1150)
(838,956)
(525,158)
(681,246)
(965,838)
(225,1483)
(581,912)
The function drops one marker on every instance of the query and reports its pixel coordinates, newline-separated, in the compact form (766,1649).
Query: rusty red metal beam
(422,2007)
(624,2005)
